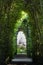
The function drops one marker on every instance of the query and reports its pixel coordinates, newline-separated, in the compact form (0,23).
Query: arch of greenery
(10,13)
(26,29)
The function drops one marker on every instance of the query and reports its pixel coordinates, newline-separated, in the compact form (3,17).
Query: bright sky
(21,38)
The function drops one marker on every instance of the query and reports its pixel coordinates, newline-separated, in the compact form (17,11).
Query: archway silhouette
(21,43)
(24,19)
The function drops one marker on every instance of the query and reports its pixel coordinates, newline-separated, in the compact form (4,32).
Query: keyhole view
(21,43)
(21,32)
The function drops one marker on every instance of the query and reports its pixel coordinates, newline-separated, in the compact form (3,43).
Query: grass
(21,50)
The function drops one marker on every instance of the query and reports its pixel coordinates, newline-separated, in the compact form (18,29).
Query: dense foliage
(10,15)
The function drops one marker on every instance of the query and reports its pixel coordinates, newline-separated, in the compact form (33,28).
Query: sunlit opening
(21,43)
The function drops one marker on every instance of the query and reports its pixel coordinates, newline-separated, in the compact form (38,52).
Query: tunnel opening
(21,42)
(24,25)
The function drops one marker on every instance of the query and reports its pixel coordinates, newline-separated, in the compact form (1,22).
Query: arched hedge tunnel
(10,16)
